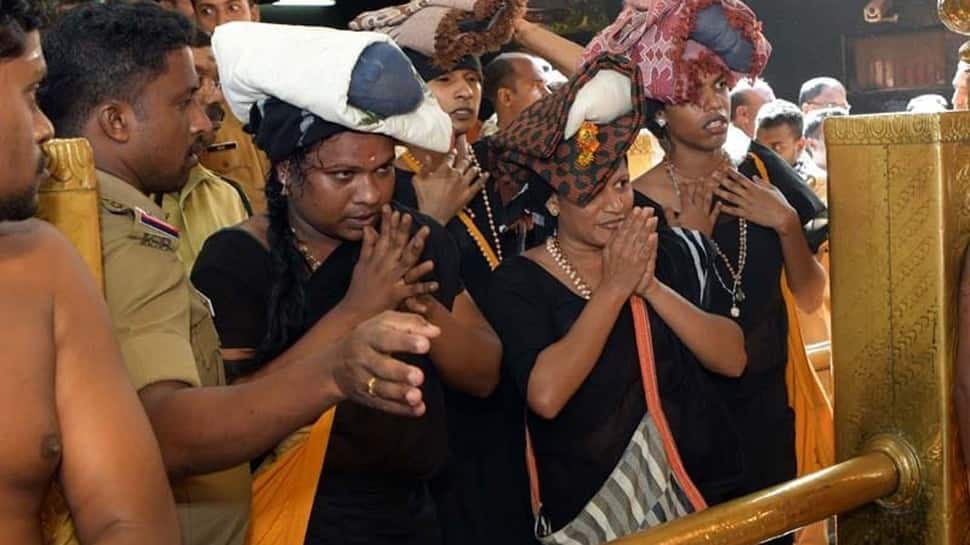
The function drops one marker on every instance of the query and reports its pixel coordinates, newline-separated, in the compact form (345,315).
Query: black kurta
(373,487)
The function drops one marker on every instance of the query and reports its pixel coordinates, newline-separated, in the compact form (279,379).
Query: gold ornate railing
(888,473)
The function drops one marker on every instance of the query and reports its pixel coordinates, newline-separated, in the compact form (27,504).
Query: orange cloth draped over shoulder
(283,492)
(814,419)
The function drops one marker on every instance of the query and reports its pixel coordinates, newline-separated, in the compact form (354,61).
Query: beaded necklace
(737,274)
(492,256)
(555,250)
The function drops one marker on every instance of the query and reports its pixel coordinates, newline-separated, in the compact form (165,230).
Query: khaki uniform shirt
(244,163)
(205,205)
(166,333)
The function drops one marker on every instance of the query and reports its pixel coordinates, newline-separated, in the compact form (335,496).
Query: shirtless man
(62,374)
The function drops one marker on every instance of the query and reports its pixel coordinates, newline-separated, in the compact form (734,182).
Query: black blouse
(576,451)
(234,271)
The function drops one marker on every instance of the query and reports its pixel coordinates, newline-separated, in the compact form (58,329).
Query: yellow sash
(814,420)
(814,424)
(483,246)
(283,493)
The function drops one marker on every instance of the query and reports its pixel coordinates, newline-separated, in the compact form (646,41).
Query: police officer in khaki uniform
(233,154)
(167,334)
(145,128)
(208,202)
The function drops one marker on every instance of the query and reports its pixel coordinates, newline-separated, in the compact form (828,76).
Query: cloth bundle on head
(295,86)
(539,143)
(675,41)
(446,31)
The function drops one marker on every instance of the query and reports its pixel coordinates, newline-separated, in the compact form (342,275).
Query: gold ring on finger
(370,386)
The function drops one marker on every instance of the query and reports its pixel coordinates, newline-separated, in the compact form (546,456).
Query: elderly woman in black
(332,249)
(603,335)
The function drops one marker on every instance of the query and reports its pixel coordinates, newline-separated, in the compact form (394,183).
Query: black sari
(373,488)
(482,492)
(758,400)
(576,451)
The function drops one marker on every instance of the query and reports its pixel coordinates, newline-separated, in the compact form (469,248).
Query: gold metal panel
(899,192)
(69,199)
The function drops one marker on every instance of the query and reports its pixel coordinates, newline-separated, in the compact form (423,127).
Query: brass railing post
(69,198)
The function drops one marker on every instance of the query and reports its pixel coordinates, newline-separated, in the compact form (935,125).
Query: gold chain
(555,250)
(312,262)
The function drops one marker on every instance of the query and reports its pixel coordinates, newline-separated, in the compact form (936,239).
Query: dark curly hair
(98,52)
(17,19)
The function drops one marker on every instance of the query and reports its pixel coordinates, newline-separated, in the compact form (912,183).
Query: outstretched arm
(202,430)
(112,472)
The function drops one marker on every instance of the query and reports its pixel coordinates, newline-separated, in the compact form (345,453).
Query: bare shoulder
(34,239)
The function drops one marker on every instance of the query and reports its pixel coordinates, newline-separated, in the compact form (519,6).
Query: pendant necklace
(311,262)
(737,294)
(737,274)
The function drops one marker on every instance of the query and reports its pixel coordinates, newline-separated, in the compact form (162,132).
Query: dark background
(810,38)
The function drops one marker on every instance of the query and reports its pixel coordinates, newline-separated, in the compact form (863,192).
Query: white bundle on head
(311,68)
(605,98)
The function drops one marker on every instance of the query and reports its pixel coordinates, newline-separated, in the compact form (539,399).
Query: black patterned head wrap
(428,70)
(281,129)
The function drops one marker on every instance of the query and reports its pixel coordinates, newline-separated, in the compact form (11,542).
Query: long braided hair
(285,310)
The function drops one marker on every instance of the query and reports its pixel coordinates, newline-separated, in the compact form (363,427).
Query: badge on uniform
(155,224)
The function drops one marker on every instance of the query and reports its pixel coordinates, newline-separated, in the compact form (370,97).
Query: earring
(286,190)
(662,121)
(552,205)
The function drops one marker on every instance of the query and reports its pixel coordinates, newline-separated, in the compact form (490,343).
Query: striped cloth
(640,493)
(698,253)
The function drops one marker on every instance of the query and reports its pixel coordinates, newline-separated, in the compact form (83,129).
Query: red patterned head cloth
(446,30)
(674,41)
(578,167)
